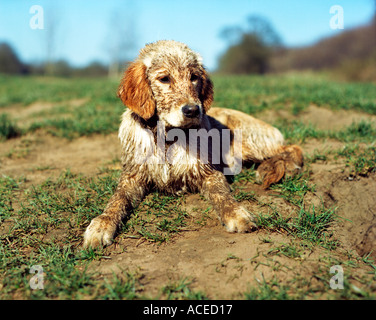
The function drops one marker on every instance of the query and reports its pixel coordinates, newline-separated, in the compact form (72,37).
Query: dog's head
(167,79)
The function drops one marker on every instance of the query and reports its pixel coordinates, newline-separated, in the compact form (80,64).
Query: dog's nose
(191,111)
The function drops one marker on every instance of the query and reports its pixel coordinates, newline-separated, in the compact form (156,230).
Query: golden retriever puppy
(172,141)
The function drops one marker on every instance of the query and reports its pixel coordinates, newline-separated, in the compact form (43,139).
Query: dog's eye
(194,77)
(165,79)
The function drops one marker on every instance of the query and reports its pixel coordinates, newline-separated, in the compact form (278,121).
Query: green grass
(101,114)
(296,131)
(27,90)
(359,158)
(65,207)
(123,287)
(251,94)
(268,291)
(180,290)
(311,225)
(8,129)
(303,288)
(8,187)
(157,218)
(293,189)
(360,161)
(91,118)
(363,131)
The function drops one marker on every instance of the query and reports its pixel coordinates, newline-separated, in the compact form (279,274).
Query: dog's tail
(288,162)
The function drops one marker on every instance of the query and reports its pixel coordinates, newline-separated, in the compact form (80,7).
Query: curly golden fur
(172,142)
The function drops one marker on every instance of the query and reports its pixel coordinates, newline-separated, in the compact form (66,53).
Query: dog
(168,93)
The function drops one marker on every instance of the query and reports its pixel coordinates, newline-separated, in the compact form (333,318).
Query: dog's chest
(168,165)
(174,170)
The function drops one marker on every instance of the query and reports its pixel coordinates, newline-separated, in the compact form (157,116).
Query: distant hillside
(351,55)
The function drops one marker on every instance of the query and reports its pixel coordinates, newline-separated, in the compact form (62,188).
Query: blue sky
(86,30)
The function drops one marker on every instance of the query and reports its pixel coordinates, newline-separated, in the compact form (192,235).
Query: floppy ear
(206,94)
(135,91)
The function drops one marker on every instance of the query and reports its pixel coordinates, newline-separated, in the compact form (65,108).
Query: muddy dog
(172,141)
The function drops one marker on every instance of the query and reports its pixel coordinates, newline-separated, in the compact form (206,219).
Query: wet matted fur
(168,94)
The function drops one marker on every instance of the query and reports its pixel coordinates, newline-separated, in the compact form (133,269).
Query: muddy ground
(220,264)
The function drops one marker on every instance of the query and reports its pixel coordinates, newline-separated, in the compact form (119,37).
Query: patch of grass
(180,290)
(21,150)
(271,290)
(298,132)
(8,186)
(44,230)
(297,109)
(101,114)
(313,225)
(245,176)
(242,195)
(157,218)
(290,250)
(85,120)
(252,94)
(273,221)
(27,90)
(120,287)
(293,189)
(317,156)
(50,203)
(8,128)
(357,131)
(357,282)
(361,161)
(357,276)
(62,278)
(308,224)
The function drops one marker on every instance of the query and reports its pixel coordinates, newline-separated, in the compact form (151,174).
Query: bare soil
(220,264)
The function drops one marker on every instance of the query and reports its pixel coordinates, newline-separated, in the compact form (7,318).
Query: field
(59,165)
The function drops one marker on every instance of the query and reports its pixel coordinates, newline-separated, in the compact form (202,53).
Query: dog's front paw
(100,232)
(239,220)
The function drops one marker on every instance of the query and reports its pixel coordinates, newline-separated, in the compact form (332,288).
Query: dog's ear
(207,92)
(135,91)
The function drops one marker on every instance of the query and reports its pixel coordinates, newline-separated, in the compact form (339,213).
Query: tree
(61,68)
(94,69)
(250,48)
(249,56)
(9,62)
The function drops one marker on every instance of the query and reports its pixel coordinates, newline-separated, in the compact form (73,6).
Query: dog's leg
(230,212)
(287,162)
(102,229)
(276,159)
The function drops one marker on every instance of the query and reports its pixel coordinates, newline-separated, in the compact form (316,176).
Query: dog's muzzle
(191,111)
